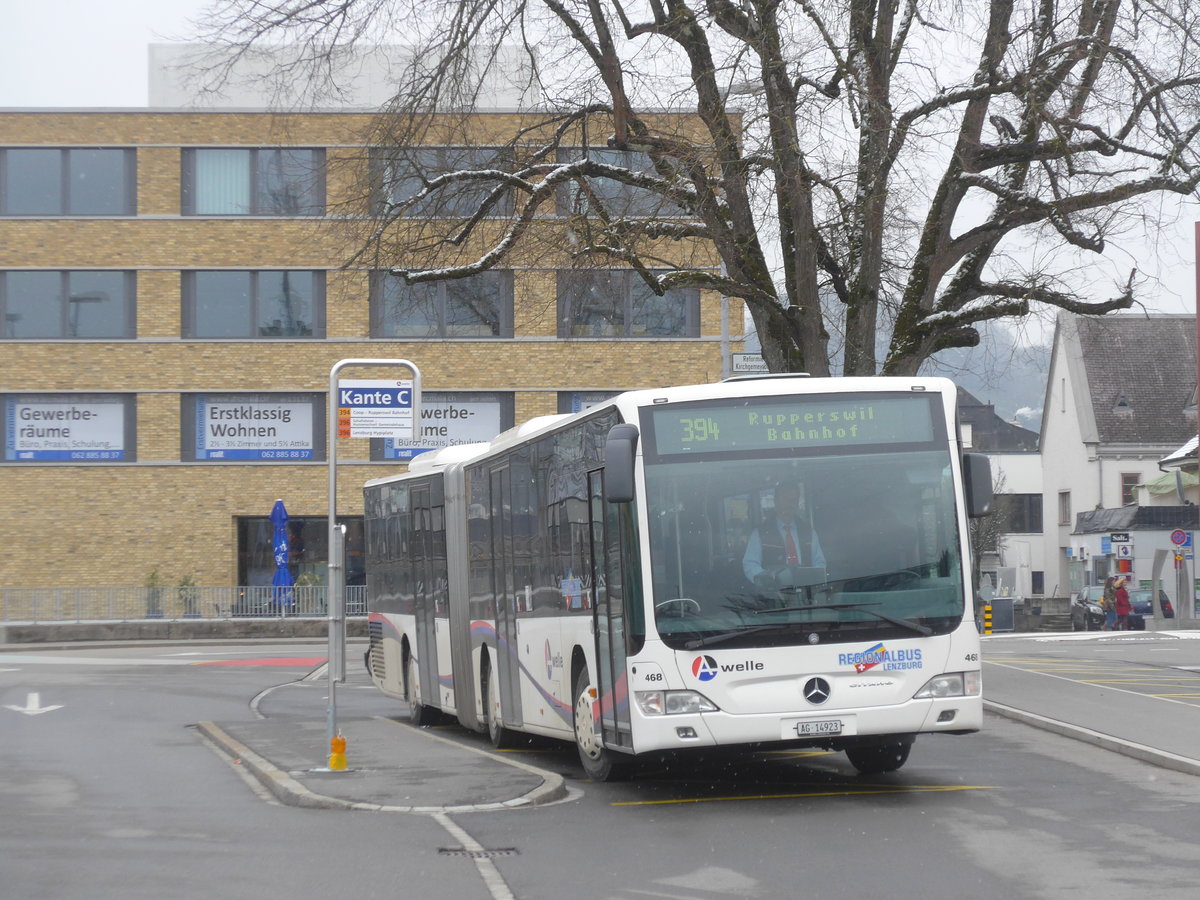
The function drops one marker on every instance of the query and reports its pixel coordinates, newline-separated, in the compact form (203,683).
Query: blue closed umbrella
(282,580)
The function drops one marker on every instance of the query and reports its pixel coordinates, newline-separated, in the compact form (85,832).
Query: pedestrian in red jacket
(1123,609)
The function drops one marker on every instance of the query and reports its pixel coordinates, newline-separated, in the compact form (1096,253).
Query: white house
(1120,397)
(1019,569)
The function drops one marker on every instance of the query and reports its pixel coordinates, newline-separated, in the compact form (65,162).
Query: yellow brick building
(123,236)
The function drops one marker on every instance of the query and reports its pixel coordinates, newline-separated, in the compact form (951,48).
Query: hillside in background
(1002,371)
(1006,370)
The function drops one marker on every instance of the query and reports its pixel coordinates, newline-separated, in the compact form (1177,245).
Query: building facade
(1120,397)
(174,290)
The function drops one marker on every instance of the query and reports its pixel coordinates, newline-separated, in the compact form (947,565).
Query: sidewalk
(391,767)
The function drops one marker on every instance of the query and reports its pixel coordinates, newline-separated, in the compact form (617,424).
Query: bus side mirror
(977,480)
(619,449)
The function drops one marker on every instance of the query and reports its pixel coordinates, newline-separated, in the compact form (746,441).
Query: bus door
(609,615)
(507,665)
(424,595)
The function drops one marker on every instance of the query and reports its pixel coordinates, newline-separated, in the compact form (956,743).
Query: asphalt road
(113,794)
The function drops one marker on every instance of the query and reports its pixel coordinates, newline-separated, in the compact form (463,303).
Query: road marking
(797,754)
(866,790)
(33,706)
(1088,683)
(40,659)
(265,661)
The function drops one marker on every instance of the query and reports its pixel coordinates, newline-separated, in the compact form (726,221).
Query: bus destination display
(770,423)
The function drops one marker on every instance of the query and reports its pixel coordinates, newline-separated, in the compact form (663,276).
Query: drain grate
(477,854)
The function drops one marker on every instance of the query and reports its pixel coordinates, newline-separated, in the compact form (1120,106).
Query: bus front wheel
(875,759)
(598,762)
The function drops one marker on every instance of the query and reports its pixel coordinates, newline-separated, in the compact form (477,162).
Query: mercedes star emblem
(816,690)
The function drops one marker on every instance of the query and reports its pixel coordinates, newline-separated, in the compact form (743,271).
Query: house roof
(988,430)
(1181,458)
(1137,518)
(1141,376)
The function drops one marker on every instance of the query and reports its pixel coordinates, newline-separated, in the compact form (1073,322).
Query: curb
(1105,741)
(291,792)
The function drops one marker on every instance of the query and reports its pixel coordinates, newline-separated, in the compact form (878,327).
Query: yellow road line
(1131,681)
(795,754)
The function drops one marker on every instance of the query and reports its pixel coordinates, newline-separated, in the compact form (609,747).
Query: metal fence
(124,604)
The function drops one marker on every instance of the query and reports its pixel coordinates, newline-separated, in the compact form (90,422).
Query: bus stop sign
(375,409)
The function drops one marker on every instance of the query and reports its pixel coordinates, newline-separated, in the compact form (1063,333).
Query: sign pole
(337,612)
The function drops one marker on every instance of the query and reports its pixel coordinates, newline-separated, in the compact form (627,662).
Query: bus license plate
(809,729)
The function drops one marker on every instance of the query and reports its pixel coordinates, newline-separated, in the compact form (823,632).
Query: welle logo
(705,668)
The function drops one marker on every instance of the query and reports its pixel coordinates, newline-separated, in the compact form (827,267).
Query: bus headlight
(671,703)
(952,684)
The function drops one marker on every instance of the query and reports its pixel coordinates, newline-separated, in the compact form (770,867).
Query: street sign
(748,364)
(1181,538)
(375,409)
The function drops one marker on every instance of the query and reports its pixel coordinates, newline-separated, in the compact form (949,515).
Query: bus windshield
(760,545)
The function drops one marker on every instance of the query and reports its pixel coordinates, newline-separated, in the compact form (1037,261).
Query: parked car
(1143,608)
(1086,614)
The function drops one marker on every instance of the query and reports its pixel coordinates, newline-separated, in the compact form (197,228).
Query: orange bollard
(337,754)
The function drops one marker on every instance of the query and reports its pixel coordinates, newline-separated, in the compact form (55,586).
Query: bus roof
(629,401)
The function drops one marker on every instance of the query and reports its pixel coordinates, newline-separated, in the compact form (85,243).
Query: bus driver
(784,539)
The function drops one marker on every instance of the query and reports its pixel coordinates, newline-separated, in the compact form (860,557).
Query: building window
(1037,583)
(580,401)
(608,196)
(1129,484)
(405,173)
(67,182)
(256,182)
(249,305)
(78,304)
(69,428)
(252,427)
(480,306)
(308,553)
(1020,513)
(1064,507)
(608,303)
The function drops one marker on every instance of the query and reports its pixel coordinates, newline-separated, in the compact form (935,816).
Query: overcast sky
(86,53)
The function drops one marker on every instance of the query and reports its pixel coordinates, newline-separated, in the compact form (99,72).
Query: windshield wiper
(903,623)
(723,636)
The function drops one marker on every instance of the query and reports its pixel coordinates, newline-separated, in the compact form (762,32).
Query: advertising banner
(449,423)
(64,427)
(253,426)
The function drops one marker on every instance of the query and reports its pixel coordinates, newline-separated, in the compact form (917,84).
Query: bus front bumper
(813,727)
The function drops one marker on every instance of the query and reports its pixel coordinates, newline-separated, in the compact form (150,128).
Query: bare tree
(873,179)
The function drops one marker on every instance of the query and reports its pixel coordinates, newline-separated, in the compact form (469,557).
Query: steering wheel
(684,606)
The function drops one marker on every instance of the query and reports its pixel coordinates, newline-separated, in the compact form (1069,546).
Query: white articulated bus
(764,561)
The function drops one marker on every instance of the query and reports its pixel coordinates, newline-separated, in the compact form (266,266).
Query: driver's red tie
(793,557)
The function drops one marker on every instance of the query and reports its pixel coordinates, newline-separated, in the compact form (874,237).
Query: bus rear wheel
(501,737)
(418,713)
(599,763)
(875,759)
